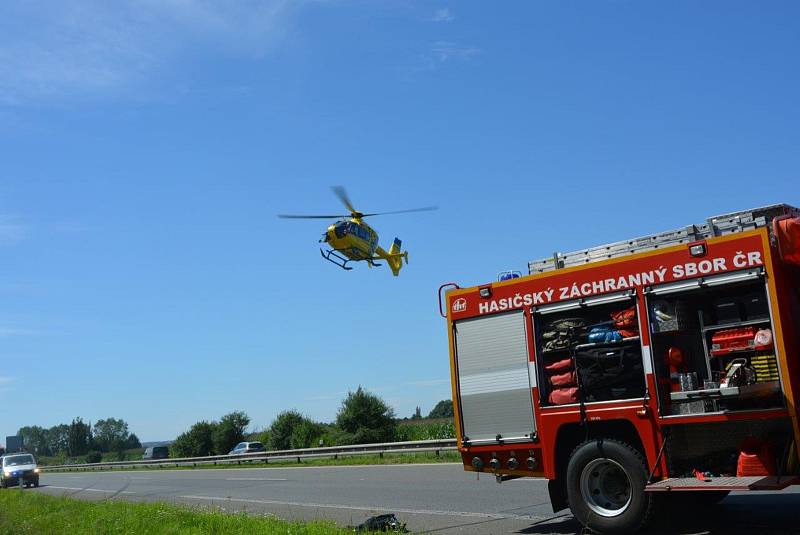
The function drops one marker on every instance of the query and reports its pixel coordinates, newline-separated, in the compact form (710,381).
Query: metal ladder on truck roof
(714,226)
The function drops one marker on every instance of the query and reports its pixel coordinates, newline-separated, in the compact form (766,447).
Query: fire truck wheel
(605,486)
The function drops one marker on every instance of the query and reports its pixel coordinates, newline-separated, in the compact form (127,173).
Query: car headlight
(35,470)
(7,473)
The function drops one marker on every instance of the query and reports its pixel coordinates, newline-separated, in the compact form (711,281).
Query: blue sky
(147,148)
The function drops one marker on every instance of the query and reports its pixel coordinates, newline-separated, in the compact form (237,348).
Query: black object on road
(387,523)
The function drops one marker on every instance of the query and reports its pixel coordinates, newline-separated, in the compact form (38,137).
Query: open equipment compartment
(589,350)
(712,345)
(715,448)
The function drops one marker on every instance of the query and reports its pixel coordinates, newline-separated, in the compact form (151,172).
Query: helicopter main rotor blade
(285,216)
(423,209)
(340,192)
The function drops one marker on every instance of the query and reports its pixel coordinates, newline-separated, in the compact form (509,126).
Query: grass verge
(355,460)
(31,512)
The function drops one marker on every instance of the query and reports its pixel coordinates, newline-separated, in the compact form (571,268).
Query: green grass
(34,513)
(398,458)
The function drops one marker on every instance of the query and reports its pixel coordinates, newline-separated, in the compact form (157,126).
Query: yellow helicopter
(350,239)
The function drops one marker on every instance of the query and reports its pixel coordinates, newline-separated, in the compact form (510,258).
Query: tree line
(362,418)
(79,438)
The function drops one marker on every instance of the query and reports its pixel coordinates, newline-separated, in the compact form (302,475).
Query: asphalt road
(439,498)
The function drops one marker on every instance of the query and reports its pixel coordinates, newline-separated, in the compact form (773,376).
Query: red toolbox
(730,340)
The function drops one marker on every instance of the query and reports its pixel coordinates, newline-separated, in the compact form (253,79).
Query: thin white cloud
(442,15)
(53,49)
(11,230)
(445,51)
(4,381)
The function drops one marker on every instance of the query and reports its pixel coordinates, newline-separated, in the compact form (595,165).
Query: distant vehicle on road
(18,467)
(247,447)
(156,452)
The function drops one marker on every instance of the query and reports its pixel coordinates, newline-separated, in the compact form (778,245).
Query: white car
(18,467)
(247,447)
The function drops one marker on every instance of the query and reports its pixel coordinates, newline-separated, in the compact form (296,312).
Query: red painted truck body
(717,285)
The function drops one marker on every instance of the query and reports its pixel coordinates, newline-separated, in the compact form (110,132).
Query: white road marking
(256,479)
(369,508)
(89,490)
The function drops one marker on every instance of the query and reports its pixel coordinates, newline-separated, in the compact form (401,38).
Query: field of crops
(425,430)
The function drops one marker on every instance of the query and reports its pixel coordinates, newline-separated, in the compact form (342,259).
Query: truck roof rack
(714,226)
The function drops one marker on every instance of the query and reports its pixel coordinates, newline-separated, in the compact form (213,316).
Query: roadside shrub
(229,431)
(443,409)
(333,436)
(94,457)
(306,434)
(196,442)
(280,432)
(262,437)
(367,417)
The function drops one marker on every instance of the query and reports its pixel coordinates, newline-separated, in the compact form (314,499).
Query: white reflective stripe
(496,381)
(733,277)
(532,374)
(647,359)
(674,287)
(715,280)
(585,302)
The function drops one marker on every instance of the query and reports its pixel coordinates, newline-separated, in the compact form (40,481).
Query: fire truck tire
(605,487)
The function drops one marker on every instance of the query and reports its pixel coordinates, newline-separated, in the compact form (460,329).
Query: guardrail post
(298,460)
(380,454)
(437,453)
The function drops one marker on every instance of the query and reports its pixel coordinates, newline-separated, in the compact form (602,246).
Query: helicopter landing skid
(336,259)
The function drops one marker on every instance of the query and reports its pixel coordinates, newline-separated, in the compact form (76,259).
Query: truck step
(723,483)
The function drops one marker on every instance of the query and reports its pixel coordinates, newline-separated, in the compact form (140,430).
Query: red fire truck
(631,373)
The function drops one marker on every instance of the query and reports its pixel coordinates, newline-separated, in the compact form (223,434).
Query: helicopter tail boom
(394,257)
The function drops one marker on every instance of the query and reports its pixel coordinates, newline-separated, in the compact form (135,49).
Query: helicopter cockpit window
(341,230)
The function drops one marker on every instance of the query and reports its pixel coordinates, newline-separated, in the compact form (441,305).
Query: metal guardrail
(419,446)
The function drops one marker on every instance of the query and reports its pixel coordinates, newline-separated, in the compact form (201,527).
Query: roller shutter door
(493,378)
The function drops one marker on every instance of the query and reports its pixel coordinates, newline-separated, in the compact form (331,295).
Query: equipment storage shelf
(711,328)
(589,350)
(741,392)
(631,339)
(722,358)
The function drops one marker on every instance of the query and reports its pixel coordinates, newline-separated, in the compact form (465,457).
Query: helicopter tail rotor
(395,257)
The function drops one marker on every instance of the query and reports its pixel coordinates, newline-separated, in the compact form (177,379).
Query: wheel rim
(606,487)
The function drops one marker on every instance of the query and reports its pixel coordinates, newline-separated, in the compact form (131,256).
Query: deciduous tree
(443,409)
(229,431)
(367,417)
